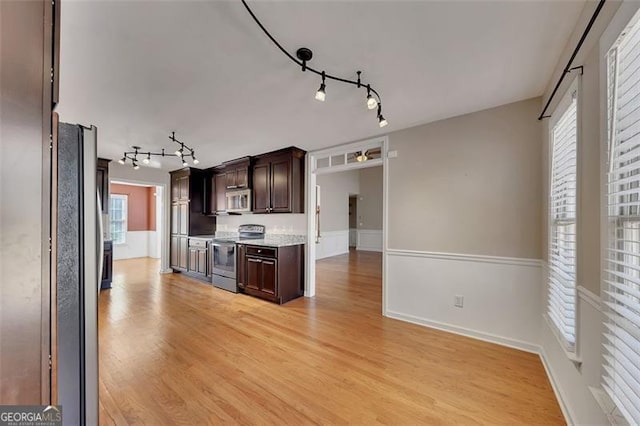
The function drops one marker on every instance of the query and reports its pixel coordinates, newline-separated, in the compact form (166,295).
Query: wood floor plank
(177,351)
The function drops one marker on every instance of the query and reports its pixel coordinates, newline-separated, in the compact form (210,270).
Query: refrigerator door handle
(100,241)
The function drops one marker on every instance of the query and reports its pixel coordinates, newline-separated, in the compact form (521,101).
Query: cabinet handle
(255,260)
(232,186)
(259,250)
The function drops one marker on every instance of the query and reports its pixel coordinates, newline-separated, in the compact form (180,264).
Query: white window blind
(561,307)
(621,296)
(118,218)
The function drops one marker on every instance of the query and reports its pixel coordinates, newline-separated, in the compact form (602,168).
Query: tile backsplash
(288,224)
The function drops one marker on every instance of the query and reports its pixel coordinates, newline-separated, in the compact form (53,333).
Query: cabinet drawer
(262,251)
(197,243)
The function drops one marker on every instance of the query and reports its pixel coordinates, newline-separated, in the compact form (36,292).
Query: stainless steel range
(223,251)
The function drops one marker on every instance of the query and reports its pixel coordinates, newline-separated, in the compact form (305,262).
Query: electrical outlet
(459,301)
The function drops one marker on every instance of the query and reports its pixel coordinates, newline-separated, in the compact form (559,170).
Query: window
(621,286)
(118,217)
(562,222)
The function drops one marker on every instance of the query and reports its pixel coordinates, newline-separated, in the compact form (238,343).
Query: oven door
(224,259)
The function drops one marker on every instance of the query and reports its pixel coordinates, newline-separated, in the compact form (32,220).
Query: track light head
(135,166)
(321,95)
(122,160)
(382,122)
(178,152)
(195,160)
(362,157)
(184,163)
(148,159)
(371,102)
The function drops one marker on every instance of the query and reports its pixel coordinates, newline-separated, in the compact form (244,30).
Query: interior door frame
(310,202)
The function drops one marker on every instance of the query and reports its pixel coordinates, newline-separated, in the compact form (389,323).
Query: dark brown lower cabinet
(179,252)
(271,273)
(197,257)
(107,266)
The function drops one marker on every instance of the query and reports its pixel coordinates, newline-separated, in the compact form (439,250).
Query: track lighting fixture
(382,122)
(320,94)
(184,152)
(371,101)
(304,55)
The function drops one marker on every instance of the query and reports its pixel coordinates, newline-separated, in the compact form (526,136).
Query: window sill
(608,407)
(571,356)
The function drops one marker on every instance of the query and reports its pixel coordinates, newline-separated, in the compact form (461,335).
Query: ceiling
(138,70)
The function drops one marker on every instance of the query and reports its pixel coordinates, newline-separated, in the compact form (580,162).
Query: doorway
(135,225)
(335,168)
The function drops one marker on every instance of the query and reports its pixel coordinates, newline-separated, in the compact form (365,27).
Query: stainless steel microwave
(239,201)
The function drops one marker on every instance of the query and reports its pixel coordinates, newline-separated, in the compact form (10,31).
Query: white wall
(335,189)
(137,244)
(464,219)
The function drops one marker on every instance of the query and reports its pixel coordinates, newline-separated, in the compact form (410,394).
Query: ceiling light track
(183,152)
(304,55)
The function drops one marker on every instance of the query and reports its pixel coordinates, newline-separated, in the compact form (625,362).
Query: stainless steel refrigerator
(79,269)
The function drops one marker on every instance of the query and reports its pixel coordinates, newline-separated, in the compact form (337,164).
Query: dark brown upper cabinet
(102,182)
(216,190)
(237,173)
(278,182)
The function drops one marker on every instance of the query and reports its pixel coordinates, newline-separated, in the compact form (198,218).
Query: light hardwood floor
(176,351)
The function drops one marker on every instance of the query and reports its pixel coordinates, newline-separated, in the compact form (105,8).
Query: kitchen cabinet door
(183,252)
(183,218)
(202,262)
(261,188)
(221,192)
(254,273)
(241,265)
(242,177)
(175,252)
(269,276)
(230,179)
(175,218)
(193,260)
(281,186)
(183,185)
(211,194)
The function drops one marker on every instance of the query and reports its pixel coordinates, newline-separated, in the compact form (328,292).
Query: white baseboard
(369,240)
(166,271)
(332,243)
(479,335)
(556,389)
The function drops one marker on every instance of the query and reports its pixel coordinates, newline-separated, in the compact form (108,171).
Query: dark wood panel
(242,177)
(183,218)
(241,265)
(254,273)
(183,185)
(183,252)
(202,261)
(230,179)
(269,276)
(175,252)
(261,188)
(281,186)
(175,218)
(107,266)
(221,192)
